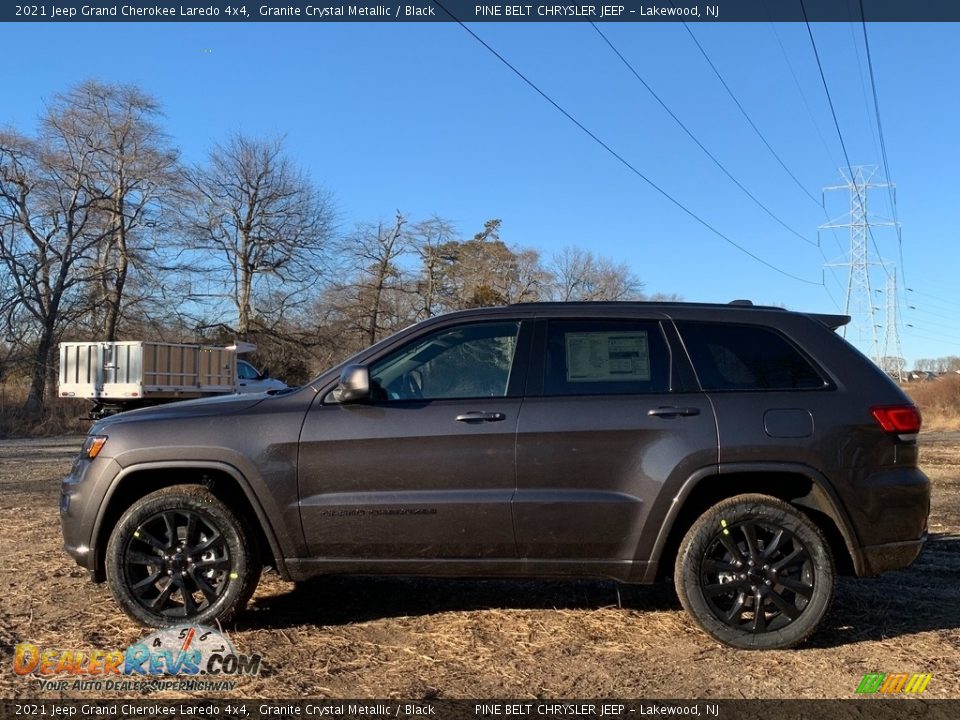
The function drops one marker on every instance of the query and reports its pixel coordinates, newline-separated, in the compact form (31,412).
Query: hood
(184,409)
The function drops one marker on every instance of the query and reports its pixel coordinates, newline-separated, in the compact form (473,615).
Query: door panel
(426,467)
(409,480)
(602,452)
(590,470)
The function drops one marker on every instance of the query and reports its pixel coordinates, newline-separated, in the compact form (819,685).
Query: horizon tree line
(106,234)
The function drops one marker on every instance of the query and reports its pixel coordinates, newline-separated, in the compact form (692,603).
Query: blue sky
(422,118)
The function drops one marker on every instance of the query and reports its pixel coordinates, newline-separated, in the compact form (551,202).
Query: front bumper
(81,495)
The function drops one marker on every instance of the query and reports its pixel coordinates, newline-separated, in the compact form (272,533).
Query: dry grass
(61,418)
(939,402)
(422,638)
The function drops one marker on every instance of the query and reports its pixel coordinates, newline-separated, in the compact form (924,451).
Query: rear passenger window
(746,357)
(606,357)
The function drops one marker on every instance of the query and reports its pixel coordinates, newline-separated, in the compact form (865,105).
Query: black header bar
(474,11)
(197,707)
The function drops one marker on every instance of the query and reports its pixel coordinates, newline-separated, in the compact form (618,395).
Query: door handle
(673,411)
(476,416)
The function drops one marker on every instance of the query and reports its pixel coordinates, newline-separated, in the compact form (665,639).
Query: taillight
(903,419)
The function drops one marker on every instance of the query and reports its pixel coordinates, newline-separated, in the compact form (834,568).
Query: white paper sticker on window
(606,356)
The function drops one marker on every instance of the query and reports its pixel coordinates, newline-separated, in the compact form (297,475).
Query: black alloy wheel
(756,576)
(755,573)
(176,563)
(181,555)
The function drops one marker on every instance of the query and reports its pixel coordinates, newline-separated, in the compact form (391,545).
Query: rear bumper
(890,556)
(890,511)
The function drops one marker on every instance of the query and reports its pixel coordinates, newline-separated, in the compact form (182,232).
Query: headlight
(93,445)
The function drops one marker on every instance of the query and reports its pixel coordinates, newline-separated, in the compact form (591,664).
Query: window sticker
(606,356)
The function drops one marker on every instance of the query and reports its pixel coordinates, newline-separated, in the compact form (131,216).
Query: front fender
(268,513)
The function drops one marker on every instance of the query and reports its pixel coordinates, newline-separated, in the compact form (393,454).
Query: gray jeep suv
(749,452)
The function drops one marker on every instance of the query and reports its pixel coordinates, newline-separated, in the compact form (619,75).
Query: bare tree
(580,275)
(49,231)
(893,365)
(427,238)
(130,168)
(375,250)
(260,225)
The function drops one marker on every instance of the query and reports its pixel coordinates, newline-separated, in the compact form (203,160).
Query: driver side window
(246,371)
(468,361)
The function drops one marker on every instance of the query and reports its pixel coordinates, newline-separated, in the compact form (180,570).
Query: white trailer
(119,376)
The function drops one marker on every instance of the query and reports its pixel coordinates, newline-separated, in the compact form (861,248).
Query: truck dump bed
(136,370)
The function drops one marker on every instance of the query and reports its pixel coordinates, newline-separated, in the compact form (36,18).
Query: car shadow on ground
(925,597)
(343,600)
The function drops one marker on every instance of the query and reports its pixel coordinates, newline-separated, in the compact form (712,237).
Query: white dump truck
(118,376)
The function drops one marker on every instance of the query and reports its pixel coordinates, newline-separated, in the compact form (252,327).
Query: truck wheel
(179,555)
(755,573)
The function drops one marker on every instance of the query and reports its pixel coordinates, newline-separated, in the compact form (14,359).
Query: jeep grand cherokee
(749,452)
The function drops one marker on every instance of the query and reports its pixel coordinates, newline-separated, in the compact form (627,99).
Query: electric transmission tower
(892,352)
(859,298)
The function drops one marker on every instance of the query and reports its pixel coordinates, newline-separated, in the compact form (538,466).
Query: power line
(826,88)
(830,294)
(775,155)
(883,143)
(938,325)
(833,112)
(803,97)
(952,303)
(747,116)
(933,308)
(717,162)
(755,129)
(924,311)
(813,121)
(951,339)
(693,137)
(620,158)
(863,85)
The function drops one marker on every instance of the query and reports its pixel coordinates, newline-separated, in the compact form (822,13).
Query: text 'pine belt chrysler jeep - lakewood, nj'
(749,452)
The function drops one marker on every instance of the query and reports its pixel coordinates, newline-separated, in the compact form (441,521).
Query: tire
(791,577)
(178,556)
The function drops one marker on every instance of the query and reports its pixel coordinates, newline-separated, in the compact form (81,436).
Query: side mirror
(265,374)
(354,384)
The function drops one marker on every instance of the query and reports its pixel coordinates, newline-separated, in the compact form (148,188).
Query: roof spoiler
(831,321)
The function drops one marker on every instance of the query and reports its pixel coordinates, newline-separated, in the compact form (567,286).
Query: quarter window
(468,361)
(606,357)
(746,357)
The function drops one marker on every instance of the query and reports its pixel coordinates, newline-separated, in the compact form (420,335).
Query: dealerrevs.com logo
(893,683)
(200,658)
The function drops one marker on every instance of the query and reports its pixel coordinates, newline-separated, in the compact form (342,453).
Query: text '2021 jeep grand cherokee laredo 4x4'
(750,451)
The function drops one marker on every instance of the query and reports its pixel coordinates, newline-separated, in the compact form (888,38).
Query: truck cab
(251,380)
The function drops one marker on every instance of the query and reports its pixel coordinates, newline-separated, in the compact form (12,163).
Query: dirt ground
(402,638)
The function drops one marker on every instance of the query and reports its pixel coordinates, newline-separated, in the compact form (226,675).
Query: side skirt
(626,571)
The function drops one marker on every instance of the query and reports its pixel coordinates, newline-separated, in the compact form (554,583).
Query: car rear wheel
(755,573)
(180,555)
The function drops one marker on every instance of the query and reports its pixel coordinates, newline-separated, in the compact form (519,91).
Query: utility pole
(859,298)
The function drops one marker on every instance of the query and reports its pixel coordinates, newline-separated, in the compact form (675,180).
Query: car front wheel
(179,555)
(755,573)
